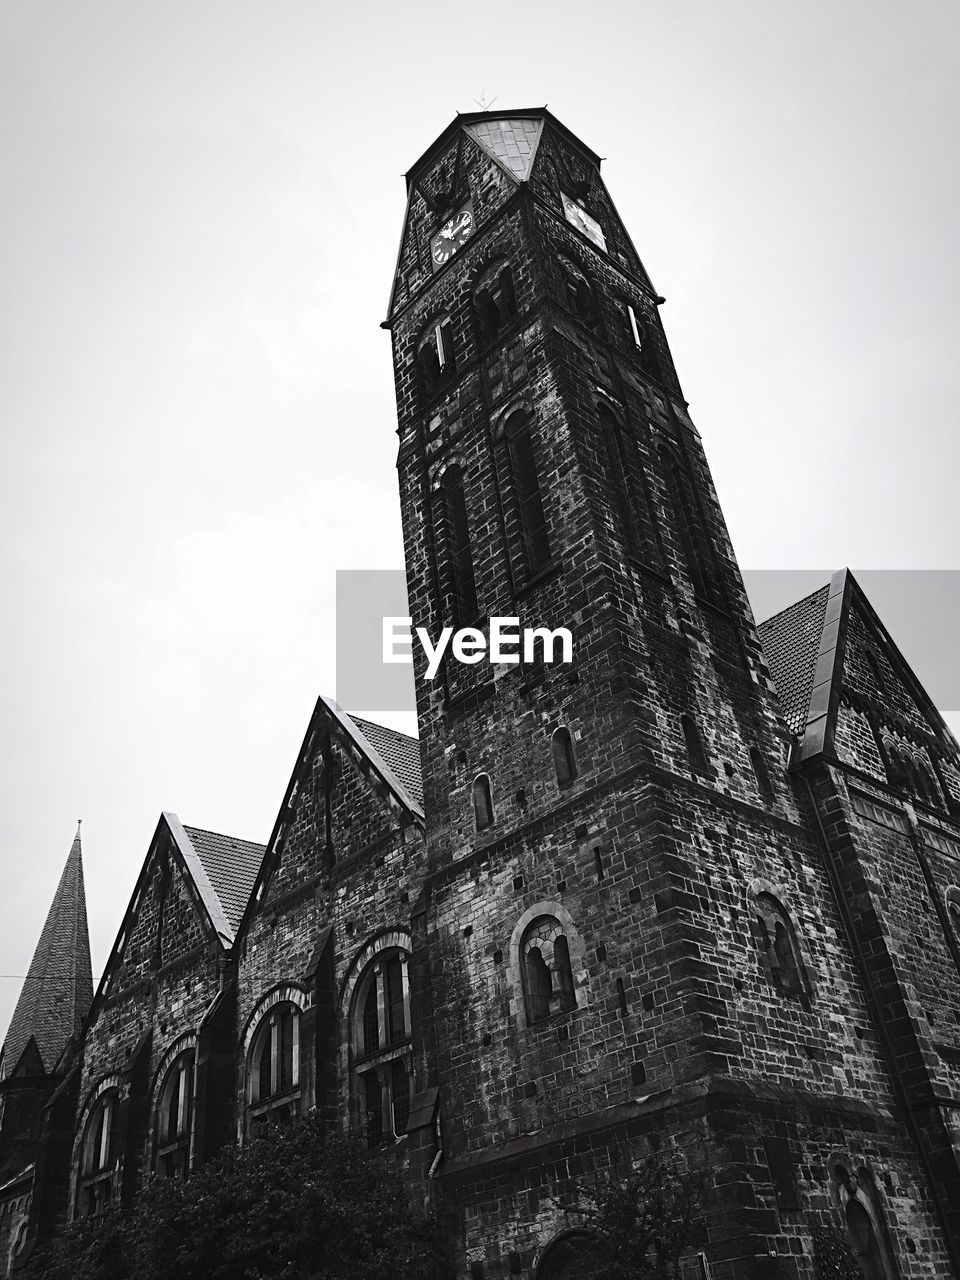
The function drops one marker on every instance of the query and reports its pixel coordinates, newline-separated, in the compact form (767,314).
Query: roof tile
(231,864)
(399,751)
(791,640)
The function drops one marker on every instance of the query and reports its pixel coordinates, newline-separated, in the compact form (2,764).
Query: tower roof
(58,988)
(510,136)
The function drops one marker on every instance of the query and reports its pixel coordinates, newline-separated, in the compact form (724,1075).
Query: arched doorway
(572,1256)
(864,1242)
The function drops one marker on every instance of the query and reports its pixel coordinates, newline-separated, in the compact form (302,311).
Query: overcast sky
(199,219)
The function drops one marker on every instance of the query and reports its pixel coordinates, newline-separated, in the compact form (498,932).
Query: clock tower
(627,940)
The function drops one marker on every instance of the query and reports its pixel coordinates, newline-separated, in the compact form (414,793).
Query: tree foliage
(834,1257)
(642,1218)
(294,1204)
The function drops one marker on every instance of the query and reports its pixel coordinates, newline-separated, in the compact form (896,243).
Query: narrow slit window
(495,304)
(762,773)
(618,478)
(622,998)
(695,749)
(482,802)
(692,544)
(523,465)
(634,326)
(435,358)
(564,760)
(459,560)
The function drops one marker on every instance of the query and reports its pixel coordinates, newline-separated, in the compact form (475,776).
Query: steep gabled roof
(383,770)
(58,988)
(791,639)
(399,751)
(222,868)
(231,865)
(805,647)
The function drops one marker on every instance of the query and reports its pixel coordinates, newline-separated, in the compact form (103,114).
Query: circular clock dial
(452,235)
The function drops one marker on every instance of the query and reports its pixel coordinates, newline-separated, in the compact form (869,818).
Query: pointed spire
(58,988)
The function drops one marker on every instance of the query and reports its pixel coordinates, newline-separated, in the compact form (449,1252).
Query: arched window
(781,952)
(953,911)
(929,790)
(545,969)
(576,1255)
(564,761)
(910,775)
(618,474)
(580,297)
(762,774)
(460,587)
(273,1070)
(898,774)
(482,802)
(696,552)
(495,304)
(435,357)
(98,1156)
(173,1121)
(381,1048)
(640,338)
(694,742)
(527,525)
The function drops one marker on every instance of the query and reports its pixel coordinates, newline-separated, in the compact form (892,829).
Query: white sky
(199,219)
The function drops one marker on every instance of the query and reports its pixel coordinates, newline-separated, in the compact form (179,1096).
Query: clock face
(455,231)
(578,217)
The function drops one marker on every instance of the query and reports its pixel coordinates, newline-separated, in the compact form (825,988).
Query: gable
(30,1062)
(164,921)
(355,783)
(191,891)
(842,679)
(875,670)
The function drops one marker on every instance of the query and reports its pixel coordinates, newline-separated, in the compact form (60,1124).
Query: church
(696,890)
